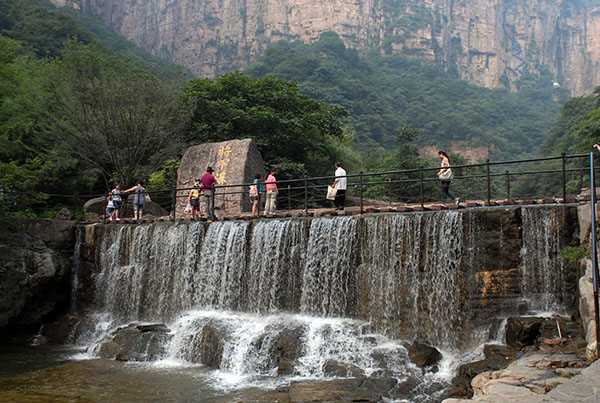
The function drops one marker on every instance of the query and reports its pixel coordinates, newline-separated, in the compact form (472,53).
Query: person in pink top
(208,180)
(272,192)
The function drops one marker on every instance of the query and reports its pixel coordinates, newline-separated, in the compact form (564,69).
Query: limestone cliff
(485,42)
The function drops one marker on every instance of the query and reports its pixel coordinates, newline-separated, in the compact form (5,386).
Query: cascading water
(411,265)
(237,294)
(543,277)
(329,276)
(75,268)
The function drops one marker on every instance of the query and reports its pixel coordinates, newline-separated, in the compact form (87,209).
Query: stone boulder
(35,269)
(521,332)
(136,343)
(234,162)
(338,390)
(212,346)
(423,355)
(496,357)
(288,348)
(64,214)
(97,206)
(586,310)
(341,370)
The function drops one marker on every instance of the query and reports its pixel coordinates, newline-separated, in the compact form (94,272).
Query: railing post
(289,198)
(507,185)
(421,185)
(564,177)
(390,191)
(305,196)
(259,187)
(361,191)
(213,202)
(174,204)
(594,249)
(105,205)
(489,187)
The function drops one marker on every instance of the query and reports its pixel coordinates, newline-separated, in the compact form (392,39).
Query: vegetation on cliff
(383,93)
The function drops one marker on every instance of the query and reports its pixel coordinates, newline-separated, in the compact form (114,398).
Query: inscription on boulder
(234,162)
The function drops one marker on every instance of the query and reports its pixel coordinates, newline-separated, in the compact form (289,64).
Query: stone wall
(234,162)
(35,268)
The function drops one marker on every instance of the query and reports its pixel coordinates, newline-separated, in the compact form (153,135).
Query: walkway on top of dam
(367,209)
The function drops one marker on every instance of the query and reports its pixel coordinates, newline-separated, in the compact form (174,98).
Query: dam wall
(438,277)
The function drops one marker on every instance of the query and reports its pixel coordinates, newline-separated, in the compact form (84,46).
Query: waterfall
(328,275)
(543,277)
(411,266)
(278,249)
(75,266)
(411,276)
(148,272)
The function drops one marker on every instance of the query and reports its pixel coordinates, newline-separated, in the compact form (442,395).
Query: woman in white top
(445,174)
(340,185)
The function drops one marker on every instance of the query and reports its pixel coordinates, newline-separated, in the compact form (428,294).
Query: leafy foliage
(42,30)
(294,133)
(383,93)
(113,114)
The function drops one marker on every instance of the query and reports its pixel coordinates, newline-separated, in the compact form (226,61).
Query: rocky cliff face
(485,42)
(35,273)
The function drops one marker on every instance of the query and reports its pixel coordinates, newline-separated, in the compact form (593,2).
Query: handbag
(447,175)
(147,198)
(331,192)
(253,192)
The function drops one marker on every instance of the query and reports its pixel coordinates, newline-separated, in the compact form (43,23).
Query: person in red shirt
(208,181)
(272,192)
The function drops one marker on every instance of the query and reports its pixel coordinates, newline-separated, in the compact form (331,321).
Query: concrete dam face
(240,295)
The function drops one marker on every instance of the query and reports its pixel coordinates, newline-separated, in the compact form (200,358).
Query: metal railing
(408,186)
(481,181)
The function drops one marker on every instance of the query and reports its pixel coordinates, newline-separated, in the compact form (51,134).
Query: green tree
(115,115)
(294,133)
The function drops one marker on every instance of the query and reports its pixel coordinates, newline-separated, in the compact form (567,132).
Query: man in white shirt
(340,186)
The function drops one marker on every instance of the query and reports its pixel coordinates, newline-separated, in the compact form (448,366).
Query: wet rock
(288,348)
(423,355)
(60,331)
(346,390)
(155,327)
(211,347)
(335,368)
(131,344)
(521,332)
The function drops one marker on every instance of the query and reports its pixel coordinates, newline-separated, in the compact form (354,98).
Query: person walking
(116,198)
(255,192)
(139,200)
(208,181)
(272,192)
(445,174)
(340,185)
(194,200)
